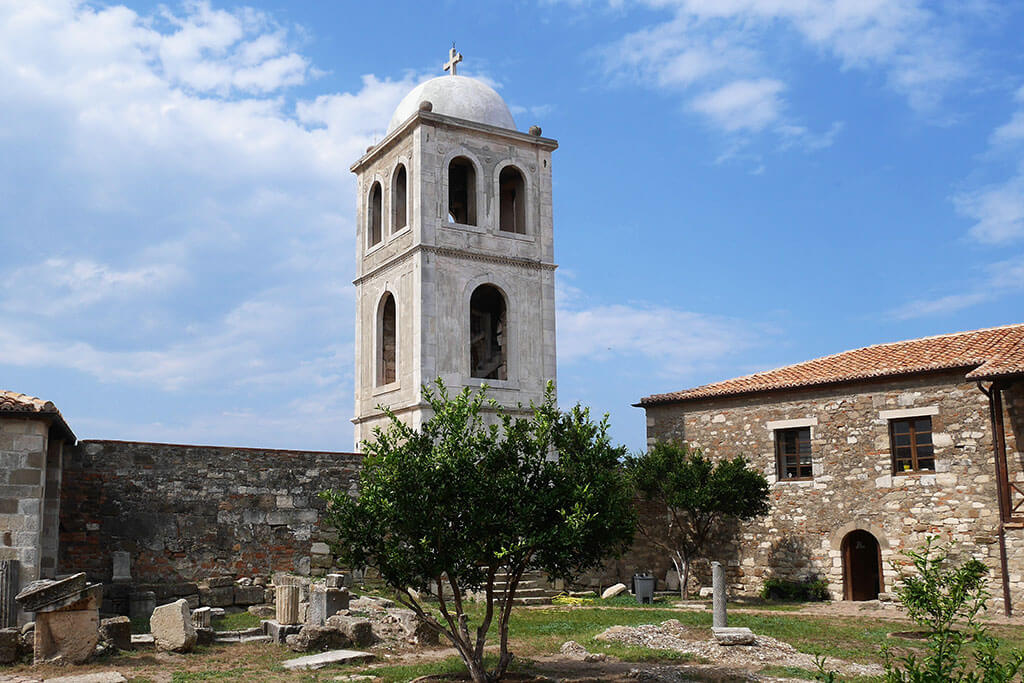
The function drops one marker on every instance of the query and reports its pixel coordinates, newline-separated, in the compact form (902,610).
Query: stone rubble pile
(672,635)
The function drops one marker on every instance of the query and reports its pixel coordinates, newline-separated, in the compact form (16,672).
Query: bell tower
(454,254)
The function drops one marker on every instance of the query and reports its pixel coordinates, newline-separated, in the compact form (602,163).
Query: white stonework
(432,265)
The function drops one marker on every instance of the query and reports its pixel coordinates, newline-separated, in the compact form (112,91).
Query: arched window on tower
(512,193)
(387,346)
(373,216)
(462,191)
(488,334)
(399,193)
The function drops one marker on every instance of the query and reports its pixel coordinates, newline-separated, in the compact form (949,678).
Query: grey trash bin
(643,585)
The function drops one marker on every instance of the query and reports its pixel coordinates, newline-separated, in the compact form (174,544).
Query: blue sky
(741,184)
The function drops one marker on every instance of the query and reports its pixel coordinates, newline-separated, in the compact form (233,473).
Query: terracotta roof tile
(13,402)
(990,353)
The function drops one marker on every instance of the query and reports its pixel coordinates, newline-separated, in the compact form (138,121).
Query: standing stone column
(287,602)
(8,588)
(718,594)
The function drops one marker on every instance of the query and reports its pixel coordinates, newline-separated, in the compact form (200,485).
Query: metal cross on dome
(453,59)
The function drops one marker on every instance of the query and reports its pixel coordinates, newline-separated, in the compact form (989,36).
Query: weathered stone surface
(223,497)
(312,638)
(122,566)
(67,637)
(612,591)
(335,581)
(732,635)
(325,602)
(279,632)
(117,632)
(205,635)
(220,581)
(223,596)
(358,629)
(248,595)
(41,593)
(97,677)
(263,611)
(10,642)
(90,598)
(417,632)
(287,604)
(172,628)
(201,617)
(326,659)
(141,604)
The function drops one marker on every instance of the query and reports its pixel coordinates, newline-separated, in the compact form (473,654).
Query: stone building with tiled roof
(33,440)
(868,452)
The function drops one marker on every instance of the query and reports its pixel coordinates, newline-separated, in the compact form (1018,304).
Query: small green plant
(809,590)
(947,601)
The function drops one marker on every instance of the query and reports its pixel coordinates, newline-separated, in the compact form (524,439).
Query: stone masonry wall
(853,486)
(188,512)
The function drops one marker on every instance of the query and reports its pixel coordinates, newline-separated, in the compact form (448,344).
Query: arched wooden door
(862,566)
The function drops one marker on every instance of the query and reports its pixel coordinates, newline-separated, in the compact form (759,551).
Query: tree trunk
(677,563)
(685,580)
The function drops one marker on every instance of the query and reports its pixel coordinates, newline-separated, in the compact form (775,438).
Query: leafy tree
(947,601)
(699,496)
(450,506)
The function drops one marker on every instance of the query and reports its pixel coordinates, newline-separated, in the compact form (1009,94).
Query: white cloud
(679,341)
(997,211)
(721,55)
(1001,279)
(742,105)
(181,226)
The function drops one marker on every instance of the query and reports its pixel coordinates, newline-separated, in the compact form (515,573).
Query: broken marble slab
(323,659)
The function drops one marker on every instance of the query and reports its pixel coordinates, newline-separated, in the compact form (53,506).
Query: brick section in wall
(188,512)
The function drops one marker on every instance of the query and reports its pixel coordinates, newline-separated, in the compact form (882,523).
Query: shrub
(810,589)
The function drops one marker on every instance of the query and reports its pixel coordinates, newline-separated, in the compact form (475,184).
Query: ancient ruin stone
(358,630)
(248,595)
(172,627)
(66,637)
(612,591)
(39,594)
(10,645)
(417,631)
(318,638)
(117,632)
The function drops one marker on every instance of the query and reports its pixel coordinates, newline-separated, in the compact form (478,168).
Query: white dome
(458,96)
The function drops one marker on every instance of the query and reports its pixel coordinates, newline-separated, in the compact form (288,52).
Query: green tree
(449,507)
(699,496)
(947,601)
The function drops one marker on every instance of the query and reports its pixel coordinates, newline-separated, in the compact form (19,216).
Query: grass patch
(140,625)
(628,600)
(451,665)
(187,676)
(235,622)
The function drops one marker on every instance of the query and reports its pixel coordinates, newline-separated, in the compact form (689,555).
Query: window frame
(912,432)
(781,456)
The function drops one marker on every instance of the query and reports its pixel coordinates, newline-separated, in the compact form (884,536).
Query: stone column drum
(287,598)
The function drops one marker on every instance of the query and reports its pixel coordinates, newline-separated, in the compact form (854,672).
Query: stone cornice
(456,253)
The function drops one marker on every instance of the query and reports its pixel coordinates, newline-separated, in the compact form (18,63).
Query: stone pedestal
(325,602)
(67,624)
(141,604)
(287,598)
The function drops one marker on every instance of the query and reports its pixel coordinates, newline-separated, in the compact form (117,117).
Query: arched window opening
(512,193)
(462,191)
(373,219)
(862,566)
(488,334)
(386,366)
(399,208)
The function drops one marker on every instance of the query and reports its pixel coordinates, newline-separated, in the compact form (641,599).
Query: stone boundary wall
(185,513)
